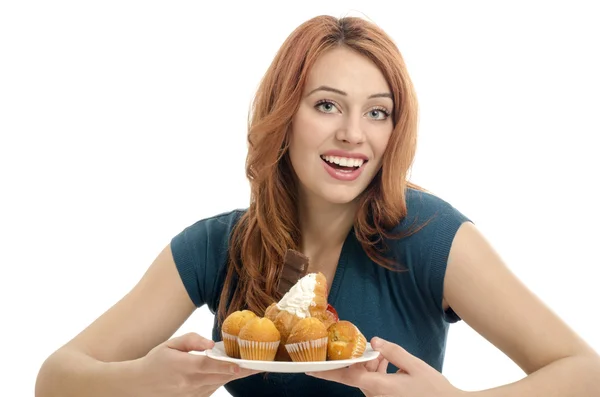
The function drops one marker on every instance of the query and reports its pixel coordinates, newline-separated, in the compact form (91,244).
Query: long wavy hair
(270,225)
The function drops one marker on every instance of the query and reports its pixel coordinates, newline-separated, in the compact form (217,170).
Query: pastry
(306,298)
(345,341)
(307,340)
(319,302)
(272,311)
(231,328)
(259,340)
(284,321)
(328,317)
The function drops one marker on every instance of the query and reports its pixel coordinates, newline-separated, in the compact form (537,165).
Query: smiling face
(342,126)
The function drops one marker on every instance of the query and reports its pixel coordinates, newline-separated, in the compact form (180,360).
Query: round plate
(218,353)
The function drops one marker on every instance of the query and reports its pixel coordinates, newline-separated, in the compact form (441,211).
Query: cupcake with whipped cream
(307,298)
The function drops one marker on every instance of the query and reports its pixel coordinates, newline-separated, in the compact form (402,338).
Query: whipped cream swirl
(299,298)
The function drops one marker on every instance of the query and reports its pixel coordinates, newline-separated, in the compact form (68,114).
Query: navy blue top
(402,307)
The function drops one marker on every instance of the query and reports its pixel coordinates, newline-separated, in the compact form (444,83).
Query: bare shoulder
(483,291)
(148,315)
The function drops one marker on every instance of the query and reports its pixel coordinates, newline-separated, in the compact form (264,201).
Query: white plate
(218,353)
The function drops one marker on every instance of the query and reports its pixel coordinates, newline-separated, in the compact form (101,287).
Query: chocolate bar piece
(295,266)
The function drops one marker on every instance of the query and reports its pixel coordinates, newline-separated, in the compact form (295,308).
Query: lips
(336,169)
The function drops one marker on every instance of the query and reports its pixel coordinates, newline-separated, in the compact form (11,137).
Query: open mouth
(343,163)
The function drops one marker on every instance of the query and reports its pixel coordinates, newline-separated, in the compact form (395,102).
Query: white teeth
(344,161)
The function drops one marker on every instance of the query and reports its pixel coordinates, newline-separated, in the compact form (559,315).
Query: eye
(326,106)
(378,113)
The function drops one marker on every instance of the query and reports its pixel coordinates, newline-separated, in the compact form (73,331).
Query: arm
(101,359)
(487,296)
(481,289)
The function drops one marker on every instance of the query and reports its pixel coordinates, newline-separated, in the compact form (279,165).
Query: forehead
(347,70)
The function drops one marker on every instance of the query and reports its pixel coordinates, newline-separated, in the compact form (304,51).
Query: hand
(169,370)
(415,378)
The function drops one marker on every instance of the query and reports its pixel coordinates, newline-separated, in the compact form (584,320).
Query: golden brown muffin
(259,340)
(319,303)
(284,322)
(308,340)
(345,341)
(272,311)
(231,328)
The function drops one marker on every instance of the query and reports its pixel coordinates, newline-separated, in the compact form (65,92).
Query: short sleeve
(446,226)
(427,251)
(200,252)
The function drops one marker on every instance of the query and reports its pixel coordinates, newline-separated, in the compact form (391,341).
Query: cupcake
(345,341)
(259,340)
(308,340)
(231,329)
(284,321)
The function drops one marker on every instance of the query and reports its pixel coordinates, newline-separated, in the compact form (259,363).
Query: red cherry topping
(332,310)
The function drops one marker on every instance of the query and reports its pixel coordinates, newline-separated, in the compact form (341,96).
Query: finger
(375,382)
(220,379)
(383,365)
(206,390)
(207,365)
(247,372)
(373,365)
(395,354)
(346,376)
(359,367)
(190,342)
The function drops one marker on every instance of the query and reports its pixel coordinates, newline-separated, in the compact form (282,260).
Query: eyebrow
(340,92)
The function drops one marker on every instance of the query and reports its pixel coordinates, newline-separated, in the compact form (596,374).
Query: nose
(351,131)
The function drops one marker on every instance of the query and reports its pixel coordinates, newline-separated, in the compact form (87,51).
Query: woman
(331,140)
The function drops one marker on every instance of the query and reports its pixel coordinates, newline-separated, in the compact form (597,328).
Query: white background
(123,122)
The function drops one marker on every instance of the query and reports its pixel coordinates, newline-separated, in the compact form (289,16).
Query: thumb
(395,354)
(190,342)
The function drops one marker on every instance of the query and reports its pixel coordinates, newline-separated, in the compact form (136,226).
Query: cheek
(299,144)
(380,142)
(307,135)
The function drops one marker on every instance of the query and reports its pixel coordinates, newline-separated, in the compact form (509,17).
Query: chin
(338,195)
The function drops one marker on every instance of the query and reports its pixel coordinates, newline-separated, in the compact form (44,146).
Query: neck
(324,225)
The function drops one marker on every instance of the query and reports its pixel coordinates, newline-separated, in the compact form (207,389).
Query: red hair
(270,225)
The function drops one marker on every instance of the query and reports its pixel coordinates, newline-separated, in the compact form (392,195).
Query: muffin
(308,340)
(231,328)
(284,321)
(259,340)
(345,341)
